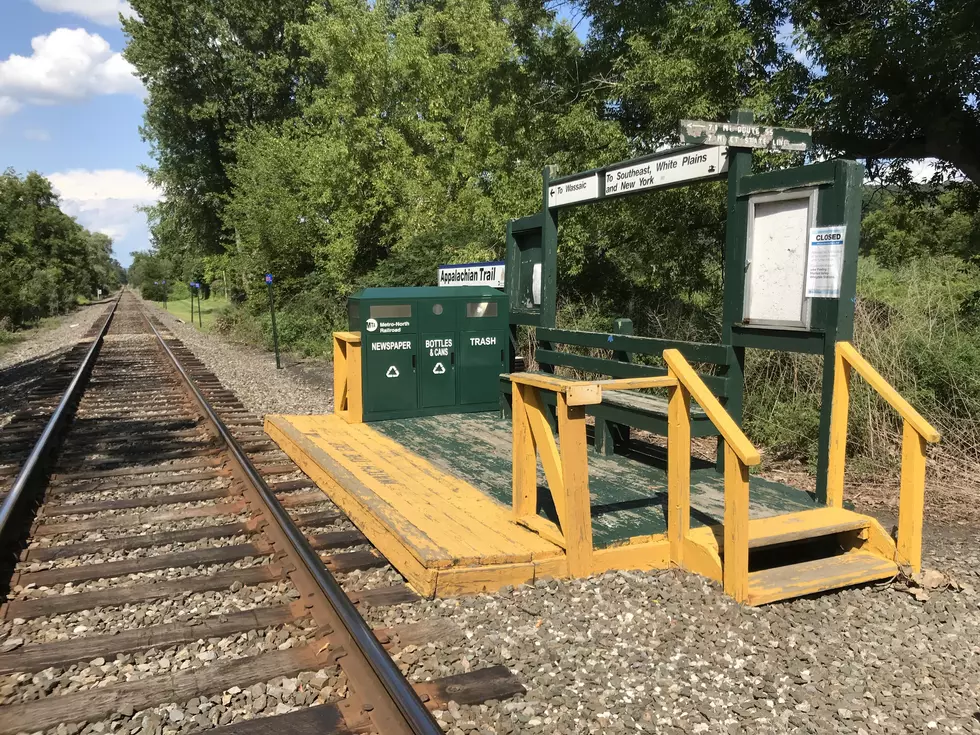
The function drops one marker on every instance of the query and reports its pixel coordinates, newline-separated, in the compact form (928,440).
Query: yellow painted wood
(544,443)
(911,497)
(446,489)
(348,403)
(734,437)
(652,552)
(702,560)
(659,381)
(544,528)
(584,394)
(524,476)
(544,381)
(781,529)
(796,580)
(473,580)
(884,389)
(838,430)
(678,470)
(424,521)
(576,523)
(403,556)
(736,570)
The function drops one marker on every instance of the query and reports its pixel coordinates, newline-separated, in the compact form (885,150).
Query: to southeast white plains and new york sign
(663,170)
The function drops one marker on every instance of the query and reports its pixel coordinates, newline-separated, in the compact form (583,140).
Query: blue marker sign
(268,278)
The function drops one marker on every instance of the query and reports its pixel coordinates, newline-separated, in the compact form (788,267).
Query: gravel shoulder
(668,652)
(26,364)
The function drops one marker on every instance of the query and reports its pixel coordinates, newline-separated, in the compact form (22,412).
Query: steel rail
(41,447)
(390,682)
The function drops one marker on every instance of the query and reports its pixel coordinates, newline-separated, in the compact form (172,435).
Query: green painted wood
(693,351)
(817,174)
(629,493)
(786,340)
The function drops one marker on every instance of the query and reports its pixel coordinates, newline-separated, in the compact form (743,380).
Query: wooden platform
(433,495)
(444,535)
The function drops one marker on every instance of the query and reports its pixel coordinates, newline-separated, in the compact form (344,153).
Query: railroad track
(169,569)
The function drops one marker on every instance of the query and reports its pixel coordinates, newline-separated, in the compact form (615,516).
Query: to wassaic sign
(472,274)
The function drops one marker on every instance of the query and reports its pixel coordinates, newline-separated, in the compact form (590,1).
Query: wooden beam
(736,571)
(911,497)
(577,521)
(732,433)
(544,442)
(678,471)
(524,481)
(838,430)
(884,389)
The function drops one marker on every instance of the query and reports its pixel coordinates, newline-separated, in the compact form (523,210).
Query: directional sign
(577,190)
(739,135)
(392,372)
(672,168)
(439,369)
(268,278)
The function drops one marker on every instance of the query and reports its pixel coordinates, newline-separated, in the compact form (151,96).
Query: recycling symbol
(392,372)
(439,369)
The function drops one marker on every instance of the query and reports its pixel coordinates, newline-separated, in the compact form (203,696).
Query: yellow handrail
(884,389)
(916,431)
(729,430)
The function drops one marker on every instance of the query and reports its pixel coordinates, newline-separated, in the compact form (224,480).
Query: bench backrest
(549,357)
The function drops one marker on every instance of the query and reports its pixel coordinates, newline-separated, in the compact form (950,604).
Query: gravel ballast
(668,652)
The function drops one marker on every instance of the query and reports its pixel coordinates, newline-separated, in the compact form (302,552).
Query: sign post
(165,296)
(272,311)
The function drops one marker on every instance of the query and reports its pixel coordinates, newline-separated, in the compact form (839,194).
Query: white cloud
(66,65)
(106,201)
(105,12)
(38,135)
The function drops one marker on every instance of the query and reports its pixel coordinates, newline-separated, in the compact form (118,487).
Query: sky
(71,108)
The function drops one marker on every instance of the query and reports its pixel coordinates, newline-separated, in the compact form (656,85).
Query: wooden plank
(678,471)
(911,497)
(151,501)
(355,397)
(143,541)
(544,528)
(340,369)
(736,570)
(652,552)
(884,389)
(838,431)
(324,719)
(495,682)
(525,464)
(117,596)
(787,528)
(476,579)
(60,654)
(796,580)
(396,594)
(190,464)
(141,519)
(544,442)
(734,436)
(694,351)
(548,382)
(94,487)
(662,381)
(176,560)
(99,703)
(702,560)
(410,557)
(351,561)
(577,521)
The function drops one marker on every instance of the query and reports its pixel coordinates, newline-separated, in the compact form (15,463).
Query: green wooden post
(736,228)
(190,287)
(272,310)
(611,436)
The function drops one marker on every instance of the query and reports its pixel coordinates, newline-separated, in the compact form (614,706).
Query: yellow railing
(739,456)
(347,401)
(916,431)
(565,464)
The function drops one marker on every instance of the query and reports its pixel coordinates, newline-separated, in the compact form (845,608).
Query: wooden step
(796,580)
(787,528)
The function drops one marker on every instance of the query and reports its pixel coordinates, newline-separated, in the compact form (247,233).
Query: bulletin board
(776,259)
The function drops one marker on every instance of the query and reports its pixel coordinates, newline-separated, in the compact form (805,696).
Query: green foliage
(47,260)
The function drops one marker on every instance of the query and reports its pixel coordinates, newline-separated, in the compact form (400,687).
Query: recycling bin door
(390,357)
(482,358)
(437,369)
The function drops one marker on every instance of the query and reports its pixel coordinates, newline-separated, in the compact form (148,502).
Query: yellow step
(806,578)
(798,526)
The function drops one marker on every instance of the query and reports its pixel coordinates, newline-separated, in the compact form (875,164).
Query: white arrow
(439,369)
(392,372)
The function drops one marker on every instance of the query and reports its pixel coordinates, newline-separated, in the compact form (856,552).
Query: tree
(890,79)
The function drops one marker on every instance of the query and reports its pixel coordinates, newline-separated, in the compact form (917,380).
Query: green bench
(621,410)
